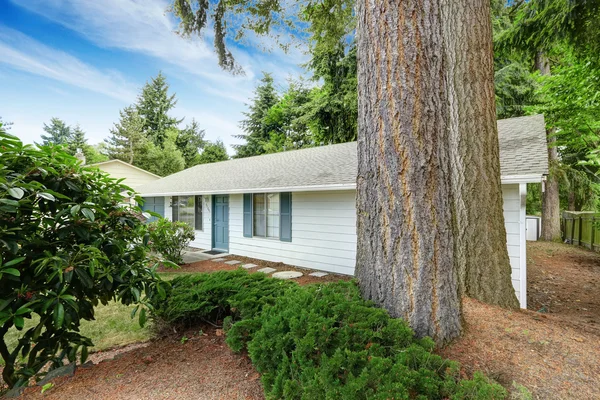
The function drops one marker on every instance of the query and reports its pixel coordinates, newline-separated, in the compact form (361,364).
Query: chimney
(80,156)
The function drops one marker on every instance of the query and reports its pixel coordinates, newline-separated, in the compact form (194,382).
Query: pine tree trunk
(550,196)
(405,252)
(481,252)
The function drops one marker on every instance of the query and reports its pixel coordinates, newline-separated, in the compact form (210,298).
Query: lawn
(113,326)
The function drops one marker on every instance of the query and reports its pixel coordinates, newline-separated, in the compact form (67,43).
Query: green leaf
(47,196)
(11,271)
(136,293)
(89,214)
(19,322)
(23,310)
(84,353)
(10,202)
(59,315)
(17,193)
(14,261)
(142,317)
(134,311)
(84,277)
(75,209)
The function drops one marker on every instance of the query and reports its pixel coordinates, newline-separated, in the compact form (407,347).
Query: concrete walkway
(196,256)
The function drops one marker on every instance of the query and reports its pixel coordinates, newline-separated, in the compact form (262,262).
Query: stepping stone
(232,262)
(267,270)
(319,274)
(287,275)
(218,259)
(248,266)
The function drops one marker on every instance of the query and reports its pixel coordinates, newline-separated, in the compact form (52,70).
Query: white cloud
(23,53)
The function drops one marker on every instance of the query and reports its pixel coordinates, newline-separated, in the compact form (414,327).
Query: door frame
(214,222)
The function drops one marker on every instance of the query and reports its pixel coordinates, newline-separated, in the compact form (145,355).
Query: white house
(298,207)
(134,176)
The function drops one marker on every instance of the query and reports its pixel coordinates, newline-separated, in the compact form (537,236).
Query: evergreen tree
(213,152)
(127,140)
(77,141)
(189,142)
(58,133)
(154,104)
(161,161)
(257,132)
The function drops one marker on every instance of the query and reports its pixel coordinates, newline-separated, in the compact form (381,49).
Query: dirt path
(564,281)
(202,367)
(554,353)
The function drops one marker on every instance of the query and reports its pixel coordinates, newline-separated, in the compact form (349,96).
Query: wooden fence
(581,228)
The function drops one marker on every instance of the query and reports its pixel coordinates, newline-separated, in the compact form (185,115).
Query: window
(188,209)
(266,215)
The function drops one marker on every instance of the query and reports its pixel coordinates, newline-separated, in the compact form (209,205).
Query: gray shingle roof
(522,152)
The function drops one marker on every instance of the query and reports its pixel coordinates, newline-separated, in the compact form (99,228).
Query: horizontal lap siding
(323,233)
(512,213)
(203,238)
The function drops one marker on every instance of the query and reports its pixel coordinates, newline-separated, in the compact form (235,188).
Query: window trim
(175,210)
(278,237)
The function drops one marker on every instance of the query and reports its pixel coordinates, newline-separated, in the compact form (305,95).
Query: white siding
(203,238)
(133,176)
(514,220)
(323,233)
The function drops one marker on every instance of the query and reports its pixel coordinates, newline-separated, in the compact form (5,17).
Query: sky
(84,60)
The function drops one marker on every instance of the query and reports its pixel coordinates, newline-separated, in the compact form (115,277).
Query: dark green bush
(213,297)
(170,238)
(320,341)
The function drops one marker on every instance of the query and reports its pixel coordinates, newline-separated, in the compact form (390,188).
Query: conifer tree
(189,142)
(213,152)
(256,130)
(58,133)
(153,105)
(126,139)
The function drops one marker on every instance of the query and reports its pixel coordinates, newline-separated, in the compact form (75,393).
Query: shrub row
(320,341)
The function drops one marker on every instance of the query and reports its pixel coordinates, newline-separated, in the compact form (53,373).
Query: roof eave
(531,178)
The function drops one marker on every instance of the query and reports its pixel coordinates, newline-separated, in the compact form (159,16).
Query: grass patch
(113,327)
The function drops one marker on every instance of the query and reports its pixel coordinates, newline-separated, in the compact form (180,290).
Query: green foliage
(153,106)
(200,297)
(127,141)
(213,152)
(319,341)
(66,245)
(58,133)
(162,161)
(257,130)
(515,90)
(189,142)
(170,238)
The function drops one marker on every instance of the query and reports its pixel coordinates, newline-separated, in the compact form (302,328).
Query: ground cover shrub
(233,296)
(320,341)
(170,238)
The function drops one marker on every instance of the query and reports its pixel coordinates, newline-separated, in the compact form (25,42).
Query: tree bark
(405,243)
(550,196)
(480,234)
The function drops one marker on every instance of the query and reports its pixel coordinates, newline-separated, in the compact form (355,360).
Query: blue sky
(84,60)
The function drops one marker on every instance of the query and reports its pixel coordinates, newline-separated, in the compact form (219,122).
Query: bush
(170,238)
(66,244)
(320,341)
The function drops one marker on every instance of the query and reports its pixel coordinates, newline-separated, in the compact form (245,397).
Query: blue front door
(220,231)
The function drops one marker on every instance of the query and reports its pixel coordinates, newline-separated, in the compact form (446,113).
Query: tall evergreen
(58,133)
(153,105)
(213,152)
(78,140)
(256,130)
(189,142)
(126,138)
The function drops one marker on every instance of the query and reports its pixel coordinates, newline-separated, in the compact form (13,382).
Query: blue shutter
(285,222)
(247,214)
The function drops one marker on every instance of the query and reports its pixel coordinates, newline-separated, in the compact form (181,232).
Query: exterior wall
(203,238)
(514,220)
(133,177)
(323,232)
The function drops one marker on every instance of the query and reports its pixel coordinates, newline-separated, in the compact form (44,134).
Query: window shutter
(175,208)
(198,214)
(247,214)
(285,223)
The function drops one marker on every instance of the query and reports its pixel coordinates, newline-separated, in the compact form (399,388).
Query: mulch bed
(203,367)
(213,266)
